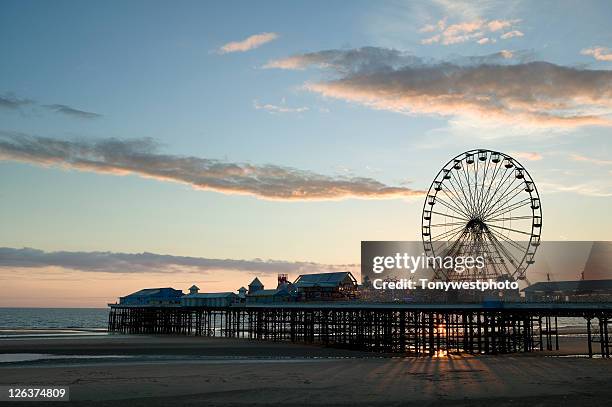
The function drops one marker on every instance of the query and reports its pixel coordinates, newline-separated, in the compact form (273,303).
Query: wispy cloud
(282,108)
(70,111)
(478,30)
(486,40)
(10,101)
(528,155)
(500,88)
(599,53)
(591,160)
(140,157)
(365,59)
(112,262)
(254,41)
(496,25)
(593,189)
(511,34)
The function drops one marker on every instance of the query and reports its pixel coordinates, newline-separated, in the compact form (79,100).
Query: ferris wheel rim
(534,198)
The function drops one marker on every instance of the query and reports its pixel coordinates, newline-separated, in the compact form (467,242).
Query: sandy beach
(158,371)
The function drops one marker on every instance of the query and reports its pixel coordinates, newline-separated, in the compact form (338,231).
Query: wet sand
(217,371)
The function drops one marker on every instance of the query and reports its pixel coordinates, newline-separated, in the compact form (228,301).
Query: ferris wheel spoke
(507,203)
(454,199)
(499,191)
(510,229)
(477,189)
(469,188)
(498,200)
(468,203)
(450,206)
(503,201)
(447,233)
(491,199)
(513,260)
(453,247)
(462,202)
(496,170)
(509,241)
(439,249)
(449,216)
(476,180)
(497,247)
(515,206)
(509,218)
(484,178)
(437,225)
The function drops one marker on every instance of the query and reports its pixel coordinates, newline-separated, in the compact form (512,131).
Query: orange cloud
(597,161)
(139,157)
(254,41)
(528,155)
(599,53)
(475,30)
(487,89)
(511,34)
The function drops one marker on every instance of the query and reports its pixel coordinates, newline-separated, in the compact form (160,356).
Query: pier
(409,329)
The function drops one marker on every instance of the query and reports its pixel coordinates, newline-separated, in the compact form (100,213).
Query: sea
(52,321)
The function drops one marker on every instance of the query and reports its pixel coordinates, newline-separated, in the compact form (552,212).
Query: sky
(165,144)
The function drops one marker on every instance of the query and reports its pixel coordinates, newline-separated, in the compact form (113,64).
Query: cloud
(365,59)
(439,26)
(278,109)
(9,101)
(111,262)
(511,34)
(486,40)
(70,111)
(501,88)
(528,155)
(496,25)
(252,42)
(593,189)
(140,157)
(597,161)
(474,30)
(599,53)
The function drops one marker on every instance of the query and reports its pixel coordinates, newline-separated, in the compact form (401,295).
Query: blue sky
(154,70)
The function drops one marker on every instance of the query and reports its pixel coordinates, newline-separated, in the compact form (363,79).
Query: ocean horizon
(15,319)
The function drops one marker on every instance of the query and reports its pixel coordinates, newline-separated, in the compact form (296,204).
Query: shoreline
(158,371)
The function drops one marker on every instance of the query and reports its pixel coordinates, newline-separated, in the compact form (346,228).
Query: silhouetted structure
(326,286)
(418,329)
(570,291)
(153,296)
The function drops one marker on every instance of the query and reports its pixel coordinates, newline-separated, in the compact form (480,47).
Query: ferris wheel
(483,203)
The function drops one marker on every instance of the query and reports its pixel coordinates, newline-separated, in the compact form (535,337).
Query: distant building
(209,299)
(570,291)
(242,292)
(194,289)
(153,296)
(255,285)
(326,286)
(284,292)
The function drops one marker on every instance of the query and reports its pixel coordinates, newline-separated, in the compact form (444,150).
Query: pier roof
(210,295)
(323,279)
